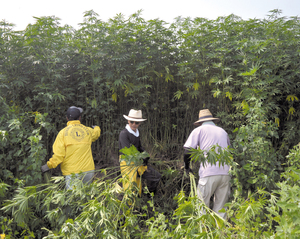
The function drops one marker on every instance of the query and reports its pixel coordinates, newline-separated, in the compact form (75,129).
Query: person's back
(72,148)
(78,153)
(205,137)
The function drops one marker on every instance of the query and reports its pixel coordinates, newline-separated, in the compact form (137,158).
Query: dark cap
(74,112)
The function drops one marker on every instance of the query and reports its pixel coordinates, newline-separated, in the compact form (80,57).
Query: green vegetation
(245,71)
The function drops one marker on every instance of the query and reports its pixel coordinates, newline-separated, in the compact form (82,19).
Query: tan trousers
(219,186)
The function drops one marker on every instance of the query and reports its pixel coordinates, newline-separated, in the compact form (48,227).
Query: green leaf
(132,155)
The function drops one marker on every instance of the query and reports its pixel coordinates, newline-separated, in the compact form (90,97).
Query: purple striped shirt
(205,136)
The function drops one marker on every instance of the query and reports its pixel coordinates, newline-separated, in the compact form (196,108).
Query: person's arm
(192,142)
(140,147)
(59,151)
(96,131)
(141,150)
(187,159)
(124,140)
(228,140)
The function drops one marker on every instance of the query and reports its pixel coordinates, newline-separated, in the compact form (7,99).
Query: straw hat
(205,115)
(134,115)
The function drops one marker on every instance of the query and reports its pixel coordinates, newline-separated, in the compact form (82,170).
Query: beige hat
(205,115)
(134,115)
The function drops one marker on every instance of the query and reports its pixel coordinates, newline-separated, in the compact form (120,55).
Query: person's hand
(45,168)
(145,163)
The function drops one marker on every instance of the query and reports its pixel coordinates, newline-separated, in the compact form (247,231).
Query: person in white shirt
(214,179)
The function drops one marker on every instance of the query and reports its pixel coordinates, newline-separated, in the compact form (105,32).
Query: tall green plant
(244,71)
(21,143)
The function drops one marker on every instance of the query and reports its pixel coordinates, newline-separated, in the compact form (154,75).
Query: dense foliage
(245,71)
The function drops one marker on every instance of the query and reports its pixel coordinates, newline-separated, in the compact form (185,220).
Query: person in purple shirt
(213,179)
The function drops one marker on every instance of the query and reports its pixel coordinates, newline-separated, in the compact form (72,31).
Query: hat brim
(133,119)
(207,119)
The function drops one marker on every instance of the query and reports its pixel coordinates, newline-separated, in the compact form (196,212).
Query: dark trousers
(152,177)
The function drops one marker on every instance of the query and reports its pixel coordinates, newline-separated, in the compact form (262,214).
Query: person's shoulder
(63,129)
(198,128)
(124,132)
(221,129)
(62,132)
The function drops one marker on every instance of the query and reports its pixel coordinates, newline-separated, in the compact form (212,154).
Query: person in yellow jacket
(72,149)
(130,173)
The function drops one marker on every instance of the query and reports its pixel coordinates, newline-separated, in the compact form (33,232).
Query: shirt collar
(73,122)
(208,122)
(136,134)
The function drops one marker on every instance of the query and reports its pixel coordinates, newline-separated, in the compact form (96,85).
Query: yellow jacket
(72,148)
